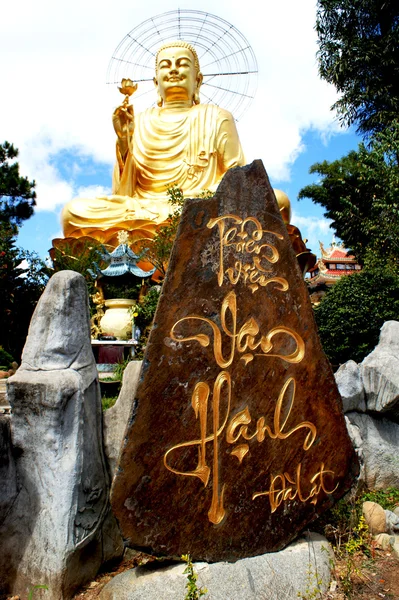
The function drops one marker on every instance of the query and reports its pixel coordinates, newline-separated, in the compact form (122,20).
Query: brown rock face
(236,438)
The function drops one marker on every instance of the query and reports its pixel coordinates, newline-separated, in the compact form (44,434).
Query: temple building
(335,262)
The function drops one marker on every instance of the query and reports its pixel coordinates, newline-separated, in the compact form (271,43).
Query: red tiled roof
(339,253)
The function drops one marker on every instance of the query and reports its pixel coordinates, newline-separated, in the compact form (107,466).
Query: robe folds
(191,148)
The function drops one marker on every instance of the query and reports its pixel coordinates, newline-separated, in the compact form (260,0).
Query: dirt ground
(371,578)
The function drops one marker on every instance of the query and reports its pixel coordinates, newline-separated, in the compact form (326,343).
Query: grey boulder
(380,372)
(289,574)
(350,386)
(377,440)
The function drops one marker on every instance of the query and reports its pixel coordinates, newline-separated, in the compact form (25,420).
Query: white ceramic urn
(118,318)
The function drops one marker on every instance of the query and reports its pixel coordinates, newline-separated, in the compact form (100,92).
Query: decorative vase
(118,319)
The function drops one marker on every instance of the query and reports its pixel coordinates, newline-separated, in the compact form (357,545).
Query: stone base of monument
(300,570)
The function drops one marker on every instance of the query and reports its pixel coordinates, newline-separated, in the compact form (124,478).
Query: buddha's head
(177,73)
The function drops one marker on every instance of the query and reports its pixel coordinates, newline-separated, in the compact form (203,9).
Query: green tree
(23,276)
(359,54)
(17,194)
(360,194)
(157,250)
(80,256)
(352,313)
(20,286)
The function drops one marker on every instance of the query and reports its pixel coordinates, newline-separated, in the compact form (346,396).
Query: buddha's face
(177,78)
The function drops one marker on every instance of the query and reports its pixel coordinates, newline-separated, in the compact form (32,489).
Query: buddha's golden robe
(191,148)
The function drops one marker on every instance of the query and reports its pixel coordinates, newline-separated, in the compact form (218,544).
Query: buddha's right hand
(123,121)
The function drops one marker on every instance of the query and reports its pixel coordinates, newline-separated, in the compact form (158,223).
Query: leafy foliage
(145,310)
(36,587)
(21,287)
(5,359)
(108,401)
(346,529)
(360,194)
(193,591)
(17,194)
(359,54)
(78,257)
(23,274)
(387,498)
(157,250)
(352,313)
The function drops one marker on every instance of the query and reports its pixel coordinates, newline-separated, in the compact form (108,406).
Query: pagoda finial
(123,237)
(323,251)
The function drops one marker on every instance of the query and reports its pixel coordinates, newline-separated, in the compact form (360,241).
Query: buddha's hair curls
(179,44)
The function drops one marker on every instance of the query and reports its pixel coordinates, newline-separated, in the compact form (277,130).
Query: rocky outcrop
(377,441)
(370,397)
(350,385)
(380,373)
(57,527)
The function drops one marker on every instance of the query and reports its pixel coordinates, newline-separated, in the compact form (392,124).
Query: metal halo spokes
(227,60)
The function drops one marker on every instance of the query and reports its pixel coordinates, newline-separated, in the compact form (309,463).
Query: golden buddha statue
(180,142)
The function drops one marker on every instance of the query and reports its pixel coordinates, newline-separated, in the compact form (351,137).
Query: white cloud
(54,94)
(314,229)
(317,225)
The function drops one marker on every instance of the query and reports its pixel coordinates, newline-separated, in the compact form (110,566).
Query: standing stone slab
(57,529)
(236,438)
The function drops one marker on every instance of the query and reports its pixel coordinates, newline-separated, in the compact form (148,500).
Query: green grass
(108,401)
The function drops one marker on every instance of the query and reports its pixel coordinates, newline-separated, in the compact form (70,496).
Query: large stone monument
(236,438)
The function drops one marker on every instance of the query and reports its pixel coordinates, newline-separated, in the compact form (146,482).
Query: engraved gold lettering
(240,451)
(284,487)
(247,338)
(247,239)
(288,390)
(199,402)
(242,419)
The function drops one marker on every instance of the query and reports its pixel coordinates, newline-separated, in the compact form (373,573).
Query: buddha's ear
(196,97)
(159,98)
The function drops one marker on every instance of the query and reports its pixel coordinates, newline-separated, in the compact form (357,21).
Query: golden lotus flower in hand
(127,87)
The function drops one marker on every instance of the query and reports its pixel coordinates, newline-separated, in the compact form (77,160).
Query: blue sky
(56,106)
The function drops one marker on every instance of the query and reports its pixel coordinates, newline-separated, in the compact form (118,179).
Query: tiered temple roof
(335,262)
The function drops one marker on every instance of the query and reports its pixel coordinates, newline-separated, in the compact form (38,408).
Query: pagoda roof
(122,260)
(119,251)
(339,253)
